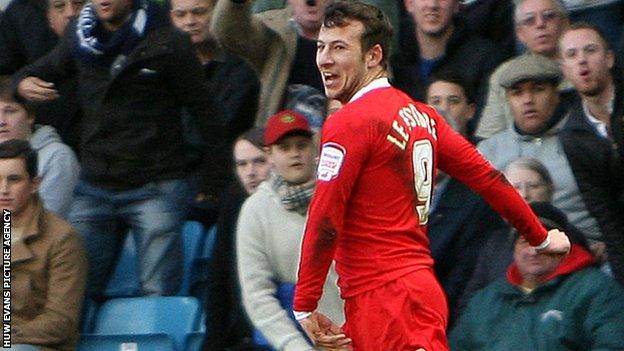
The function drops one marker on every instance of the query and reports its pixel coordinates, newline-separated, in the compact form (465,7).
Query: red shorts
(406,314)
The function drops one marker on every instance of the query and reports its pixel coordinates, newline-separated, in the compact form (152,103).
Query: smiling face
(586,61)
(533,104)
(345,69)
(293,158)
(192,17)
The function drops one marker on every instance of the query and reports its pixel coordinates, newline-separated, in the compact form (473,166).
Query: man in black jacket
(29,29)
(135,75)
(432,40)
(592,138)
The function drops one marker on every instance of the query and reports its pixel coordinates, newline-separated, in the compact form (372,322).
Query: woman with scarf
(269,234)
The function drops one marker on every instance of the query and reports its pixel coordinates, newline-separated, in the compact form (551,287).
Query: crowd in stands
(131,117)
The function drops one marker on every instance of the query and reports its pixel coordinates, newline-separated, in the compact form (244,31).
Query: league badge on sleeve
(332,156)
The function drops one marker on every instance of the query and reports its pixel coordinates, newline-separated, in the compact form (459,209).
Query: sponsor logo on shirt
(332,156)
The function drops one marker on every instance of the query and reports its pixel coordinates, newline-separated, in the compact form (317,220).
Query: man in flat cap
(539,113)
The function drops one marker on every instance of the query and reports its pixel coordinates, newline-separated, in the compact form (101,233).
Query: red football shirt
(379,155)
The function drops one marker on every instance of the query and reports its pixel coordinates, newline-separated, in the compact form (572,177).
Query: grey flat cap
(530,67)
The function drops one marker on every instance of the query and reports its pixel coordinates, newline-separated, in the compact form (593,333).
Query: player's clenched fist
(37,90)
(558,243)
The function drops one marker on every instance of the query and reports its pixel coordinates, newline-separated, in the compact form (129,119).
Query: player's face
(539,26)
(341,61)
(586,61)
(432,17)
(529,184)
(113,12)
(15,123)
(450,99)
(60,12)
(293,158)
(192,17)
(16,187)
(533,266)
(252,167)
(533,105)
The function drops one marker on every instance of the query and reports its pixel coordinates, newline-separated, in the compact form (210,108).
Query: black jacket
(468,55)
(600,177)
(25,36)
(132,129)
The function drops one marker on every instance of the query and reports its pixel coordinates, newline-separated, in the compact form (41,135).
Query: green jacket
(583,310)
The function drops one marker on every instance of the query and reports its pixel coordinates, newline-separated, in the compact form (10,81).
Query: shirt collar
(376,84)
(599,125)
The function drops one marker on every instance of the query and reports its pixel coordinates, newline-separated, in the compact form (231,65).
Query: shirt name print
(408,118)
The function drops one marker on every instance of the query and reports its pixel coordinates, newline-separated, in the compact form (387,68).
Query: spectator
(545,302)
(58,167)
(225,310)
(49,267)
(538,23)
(607,15)
(29,29)
(270,229)
(280,45)
(593,129)
(433,40)
(533,181)
(234,84)
(452,97)
(492,19)
(530,82)
(136,74)
(460,221)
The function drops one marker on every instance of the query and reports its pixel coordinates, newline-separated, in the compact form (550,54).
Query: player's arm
(344,150)
(462,161)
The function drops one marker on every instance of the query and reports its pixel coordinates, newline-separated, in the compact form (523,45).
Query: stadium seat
(193,238)
(126,342)
(142,317)
(125,280)
(89,312)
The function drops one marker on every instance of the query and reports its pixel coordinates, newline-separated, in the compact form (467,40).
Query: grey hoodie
(58,167)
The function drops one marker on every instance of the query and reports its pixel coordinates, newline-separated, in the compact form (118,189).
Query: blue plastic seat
(285,294)
(172,316)
(89,312)
(125,279)
(126,342)
(193,238)
(194,341)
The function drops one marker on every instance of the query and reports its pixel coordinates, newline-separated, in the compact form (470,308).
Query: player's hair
(457,79)
(559,6)
(377,27)
(536,166)
(15,148)
(7,93)
(589,26)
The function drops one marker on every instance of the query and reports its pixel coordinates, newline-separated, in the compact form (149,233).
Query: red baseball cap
(285,122)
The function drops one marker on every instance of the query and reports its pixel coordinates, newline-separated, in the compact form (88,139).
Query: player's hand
(559,243)
(37,90)
(324,333)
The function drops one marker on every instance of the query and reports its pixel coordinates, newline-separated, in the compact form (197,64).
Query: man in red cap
(268,237)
